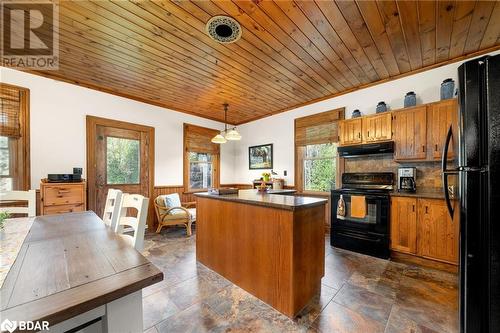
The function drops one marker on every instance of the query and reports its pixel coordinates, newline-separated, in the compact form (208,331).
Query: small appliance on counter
(407,179)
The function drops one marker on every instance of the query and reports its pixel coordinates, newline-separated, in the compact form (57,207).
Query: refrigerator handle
(446,172)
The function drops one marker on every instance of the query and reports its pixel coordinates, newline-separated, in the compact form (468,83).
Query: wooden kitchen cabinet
(377,127)
(410,129)
(350,131)
(437,232)
(440,116)
(404,224)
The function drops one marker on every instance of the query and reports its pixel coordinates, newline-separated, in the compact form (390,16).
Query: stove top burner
(368,181)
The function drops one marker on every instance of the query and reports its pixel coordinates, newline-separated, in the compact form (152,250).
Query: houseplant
(3,217)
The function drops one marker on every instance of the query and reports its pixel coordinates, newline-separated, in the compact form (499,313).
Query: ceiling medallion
(223,29)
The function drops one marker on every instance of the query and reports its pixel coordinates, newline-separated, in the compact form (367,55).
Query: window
(317,163)
(14,138)
(122,161)
(200,170)
(201,159)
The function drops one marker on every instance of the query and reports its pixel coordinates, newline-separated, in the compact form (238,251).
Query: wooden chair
(10,196)
(112,208)
(176,213)
(137,223)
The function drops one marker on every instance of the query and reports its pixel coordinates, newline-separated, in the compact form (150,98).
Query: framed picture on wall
(260,157)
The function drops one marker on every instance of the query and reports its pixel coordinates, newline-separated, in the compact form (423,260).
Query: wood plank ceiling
(291,52)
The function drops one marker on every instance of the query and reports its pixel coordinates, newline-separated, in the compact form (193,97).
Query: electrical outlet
(284,173)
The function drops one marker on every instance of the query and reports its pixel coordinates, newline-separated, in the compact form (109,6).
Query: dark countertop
(273,199)
(428,194)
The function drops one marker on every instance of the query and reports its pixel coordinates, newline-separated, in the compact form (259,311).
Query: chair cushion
(172,200)
(192,212)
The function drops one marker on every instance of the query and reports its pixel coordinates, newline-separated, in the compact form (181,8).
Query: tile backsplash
(428,173)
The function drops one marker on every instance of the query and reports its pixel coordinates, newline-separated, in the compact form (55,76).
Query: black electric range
(369,234)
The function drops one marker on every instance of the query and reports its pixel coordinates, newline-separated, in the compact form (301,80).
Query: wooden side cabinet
(350,131)
(58,198)
(377,128)
(404,224)
(438,233)
(410,129)
(440,116)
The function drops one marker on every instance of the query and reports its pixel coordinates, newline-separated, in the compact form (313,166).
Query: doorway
(120,155)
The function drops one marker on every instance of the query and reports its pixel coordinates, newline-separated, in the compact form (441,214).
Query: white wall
(279,129)
(58,136)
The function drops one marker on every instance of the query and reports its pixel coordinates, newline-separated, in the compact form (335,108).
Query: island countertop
(273,199)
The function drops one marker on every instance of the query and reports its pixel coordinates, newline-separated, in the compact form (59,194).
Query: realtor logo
(30,34)
(8,325)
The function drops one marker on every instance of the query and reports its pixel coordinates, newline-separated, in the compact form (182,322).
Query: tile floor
(359,294)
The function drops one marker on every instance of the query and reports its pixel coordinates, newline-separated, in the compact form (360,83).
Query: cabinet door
(350,131)
(404,224)
(409,128)
(377,128)
(437,232)
(441,116)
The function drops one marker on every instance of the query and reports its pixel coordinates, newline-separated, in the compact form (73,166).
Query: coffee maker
(407,179)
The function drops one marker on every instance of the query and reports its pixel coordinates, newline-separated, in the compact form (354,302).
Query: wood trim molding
(185,164)
(91,124)
(23,145)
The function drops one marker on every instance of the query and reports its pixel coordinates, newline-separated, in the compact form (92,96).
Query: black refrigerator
(479,190)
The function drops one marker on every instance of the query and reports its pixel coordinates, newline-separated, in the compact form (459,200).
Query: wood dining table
(74,273)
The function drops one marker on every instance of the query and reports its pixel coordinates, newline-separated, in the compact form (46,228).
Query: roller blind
(10,104)
(198,139)
(318,128)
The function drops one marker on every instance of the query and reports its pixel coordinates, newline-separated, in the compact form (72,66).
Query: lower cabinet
(404,224)
(424,228)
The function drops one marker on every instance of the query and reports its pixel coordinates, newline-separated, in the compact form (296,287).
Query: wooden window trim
(299,151)
(215,158)
(21,151)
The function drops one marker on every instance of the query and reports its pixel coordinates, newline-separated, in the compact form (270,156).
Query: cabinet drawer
(64,194)
(61,209)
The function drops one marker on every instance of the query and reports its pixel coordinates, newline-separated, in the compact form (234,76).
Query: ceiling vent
(223,29)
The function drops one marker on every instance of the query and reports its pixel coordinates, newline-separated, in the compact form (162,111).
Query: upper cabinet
(440,116)
(377,127)
(419,132)
(410,129)
(350,131)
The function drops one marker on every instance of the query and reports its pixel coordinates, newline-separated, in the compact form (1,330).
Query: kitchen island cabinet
(271,245)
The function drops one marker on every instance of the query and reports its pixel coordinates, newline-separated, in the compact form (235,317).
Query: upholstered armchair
(170,211)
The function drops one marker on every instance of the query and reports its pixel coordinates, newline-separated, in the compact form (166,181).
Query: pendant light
(231,134)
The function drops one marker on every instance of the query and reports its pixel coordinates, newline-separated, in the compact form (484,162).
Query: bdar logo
(8,325)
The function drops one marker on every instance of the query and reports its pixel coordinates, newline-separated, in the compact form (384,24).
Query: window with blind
(14,138)
(201,159)
(317,163)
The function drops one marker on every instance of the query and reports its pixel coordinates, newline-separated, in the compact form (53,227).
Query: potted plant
(266,176)
(3,217)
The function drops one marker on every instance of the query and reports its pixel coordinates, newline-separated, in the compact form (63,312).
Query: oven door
(377,213)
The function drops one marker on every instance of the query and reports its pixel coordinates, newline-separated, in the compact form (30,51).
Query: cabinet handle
(368,133)
(414,208)
(359,135)
(436,148)
(426,209)
(423,149)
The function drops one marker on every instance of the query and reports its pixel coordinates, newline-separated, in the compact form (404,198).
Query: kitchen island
(271,245)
